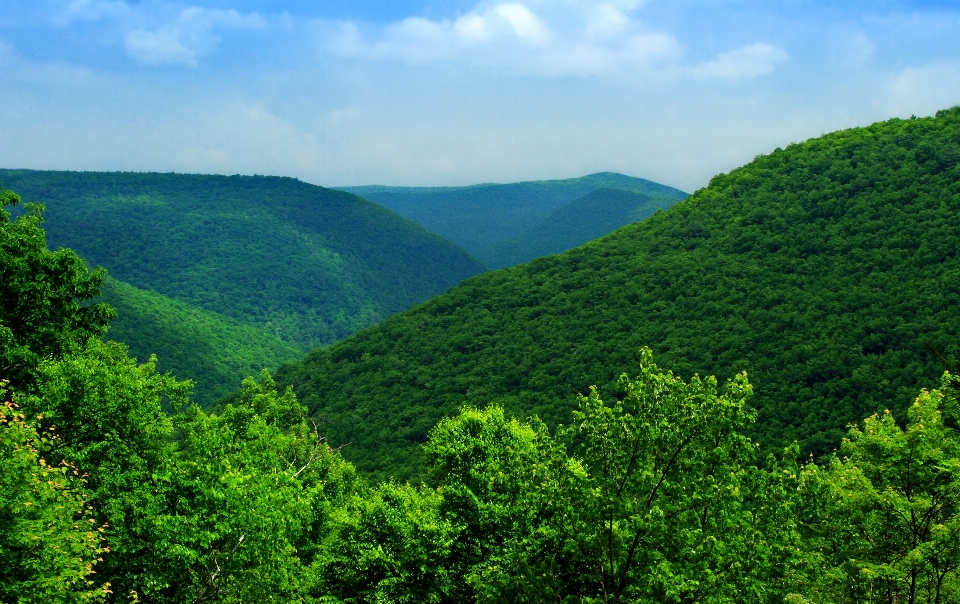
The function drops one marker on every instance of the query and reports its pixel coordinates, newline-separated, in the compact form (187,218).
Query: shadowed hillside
(593,215)
(302,264)
(479,216)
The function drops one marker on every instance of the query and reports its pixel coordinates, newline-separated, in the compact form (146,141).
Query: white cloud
(605,20)
(187,38)
(923,90)
(743,63)
(560,39)
(856,49)
(91,10)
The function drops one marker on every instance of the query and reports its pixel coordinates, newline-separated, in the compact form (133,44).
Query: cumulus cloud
(557,39)
(189,37)
(545,38)
(743,63)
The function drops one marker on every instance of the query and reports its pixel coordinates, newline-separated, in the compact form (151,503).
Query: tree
(41,315)
(108,411)
(388,544)
(247,499)
(49,540)
(890,527)
(655,498)
(661,497)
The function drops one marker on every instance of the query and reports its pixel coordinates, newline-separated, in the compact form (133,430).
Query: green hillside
(213,350)
(593,215)
(821,269)
(307,264)
(479,216)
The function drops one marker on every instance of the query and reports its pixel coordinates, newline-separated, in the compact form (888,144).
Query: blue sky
(447,92)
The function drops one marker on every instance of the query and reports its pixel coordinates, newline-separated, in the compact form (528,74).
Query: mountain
(302,263)
(479,216)
(593,215)
(822,269)
(213,350)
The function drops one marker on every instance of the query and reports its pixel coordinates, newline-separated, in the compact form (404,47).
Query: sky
(450,92)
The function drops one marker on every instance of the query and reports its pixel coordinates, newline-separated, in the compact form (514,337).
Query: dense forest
(303,264)
(822,269)
(210,349)
(479,217)
(652,489)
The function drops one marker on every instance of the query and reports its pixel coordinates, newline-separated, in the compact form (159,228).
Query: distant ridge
(479,216)
(594,215)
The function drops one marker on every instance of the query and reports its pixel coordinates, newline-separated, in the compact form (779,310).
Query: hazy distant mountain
(593,215)
(479,216)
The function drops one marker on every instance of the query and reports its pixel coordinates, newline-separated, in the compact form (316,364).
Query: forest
(302,265)
(549,432)
(821,269)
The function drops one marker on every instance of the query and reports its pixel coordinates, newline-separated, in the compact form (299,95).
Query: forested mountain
(116,488)
(479,216)
(304,264)
(822,269)
(593,215)
(213,350)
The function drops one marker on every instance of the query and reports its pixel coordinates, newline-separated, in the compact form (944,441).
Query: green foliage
(108,412)
(214,351)
(594,215)
(49,542)
(248,491)
(388,544)
(489,471)
(305,264)
(481,216)
(40,296)
(889,529)
(822,269)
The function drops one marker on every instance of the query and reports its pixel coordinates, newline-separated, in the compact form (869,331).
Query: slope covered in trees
(308,264)
(302,264)
(589,217)
(479,216)
(821,269)
(215,351)
(655,496)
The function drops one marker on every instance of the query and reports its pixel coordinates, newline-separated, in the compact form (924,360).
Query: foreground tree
(889,530)
(41,315)
(49,541)
(655,498)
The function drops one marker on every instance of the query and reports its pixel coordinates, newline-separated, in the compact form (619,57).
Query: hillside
(302,264)
(479,216)
(593,215)
(308,264)
(213,350)
(821,269)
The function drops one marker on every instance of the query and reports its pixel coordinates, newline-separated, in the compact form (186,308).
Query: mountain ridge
(822,269)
